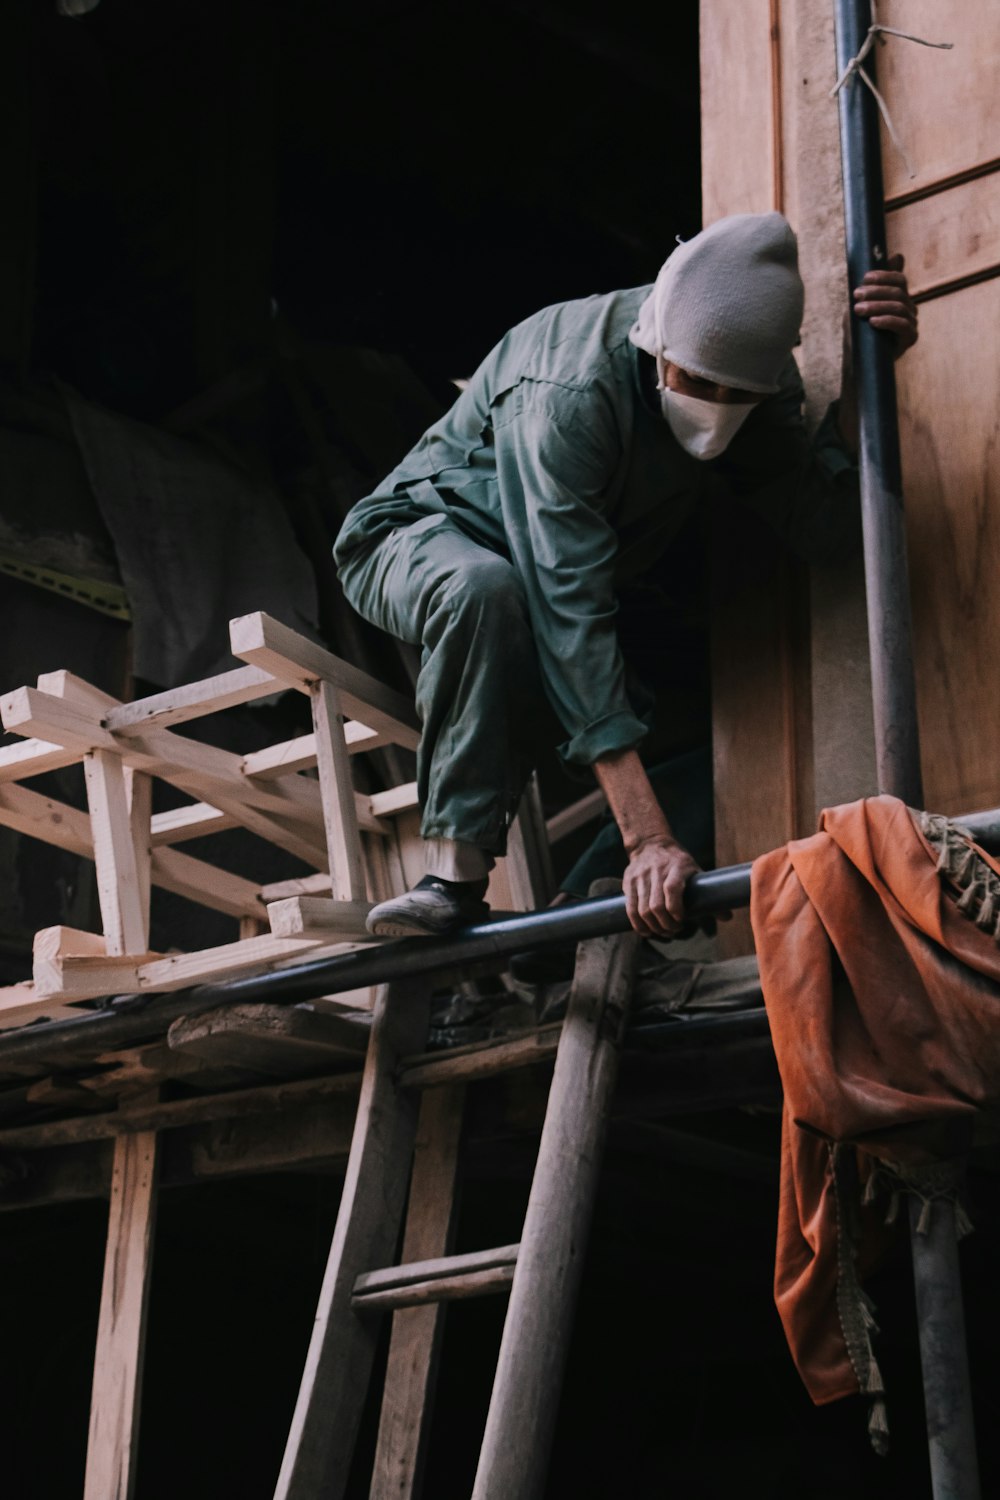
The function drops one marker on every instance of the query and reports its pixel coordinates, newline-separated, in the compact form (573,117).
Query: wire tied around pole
(877,33)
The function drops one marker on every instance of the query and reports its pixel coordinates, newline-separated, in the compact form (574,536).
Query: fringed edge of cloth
(962,865)
(855,1309)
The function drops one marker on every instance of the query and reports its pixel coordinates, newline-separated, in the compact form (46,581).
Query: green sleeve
(556,451)
(805,489)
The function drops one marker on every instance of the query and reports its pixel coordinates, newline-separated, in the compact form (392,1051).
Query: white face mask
(703,428)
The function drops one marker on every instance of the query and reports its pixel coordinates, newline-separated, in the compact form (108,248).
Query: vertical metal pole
(947,1393)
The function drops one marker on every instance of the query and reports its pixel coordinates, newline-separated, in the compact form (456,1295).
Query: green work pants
(479,693)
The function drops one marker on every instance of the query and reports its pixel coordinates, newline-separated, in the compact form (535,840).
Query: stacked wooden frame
(360,847)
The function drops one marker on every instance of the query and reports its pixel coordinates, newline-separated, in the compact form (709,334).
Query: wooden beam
(446,1280)
(31,758)
(398,799)
(343,842)
(87,977)
(192,701)
(193,821)
(288,814)
(577,815)
(121,1332)
(271,1039)
(300,754)
(65,827)
(342,1350)
(268,644)
(484,1059)
(315,916)
(417,1332)
(123,894)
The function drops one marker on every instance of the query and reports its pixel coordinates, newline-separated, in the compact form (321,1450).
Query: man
(571,460)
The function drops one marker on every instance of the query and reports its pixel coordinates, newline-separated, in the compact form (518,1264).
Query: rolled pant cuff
(451,859)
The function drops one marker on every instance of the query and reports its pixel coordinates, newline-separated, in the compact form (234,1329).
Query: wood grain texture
(267,643)
(950,235)
(736,103)
(415,1345)
(943,104)
(121,1333)
(66,827)
(123,895)
(525,1400)
(342,1350)
(949,396)
(343,842)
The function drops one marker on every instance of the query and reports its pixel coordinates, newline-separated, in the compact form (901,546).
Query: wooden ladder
(405,1143)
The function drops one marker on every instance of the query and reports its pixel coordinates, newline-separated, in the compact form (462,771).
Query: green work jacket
(557,457)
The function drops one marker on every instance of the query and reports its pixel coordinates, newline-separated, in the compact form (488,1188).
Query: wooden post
(417,1331)
(123,891)
(121,1332)
(515,1452)
(339,1362)
(347,871)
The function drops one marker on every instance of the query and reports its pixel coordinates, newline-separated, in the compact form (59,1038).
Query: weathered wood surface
(481,1059)
(434,1290)
(943,104)
(121,1333)
(270,1039)
(339,1361)
(415,1345)
(525,1399)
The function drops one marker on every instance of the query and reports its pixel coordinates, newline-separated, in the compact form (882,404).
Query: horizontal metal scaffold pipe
(712,891)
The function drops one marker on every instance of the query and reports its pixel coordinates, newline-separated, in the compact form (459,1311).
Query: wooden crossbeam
(31,758)
(87,975)
(65,827)
(266,643)
(448,1278)
(192,701)
(300,754)
(287,813)
(316,916)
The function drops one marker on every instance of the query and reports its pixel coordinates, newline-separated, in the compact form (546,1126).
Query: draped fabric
(880,968)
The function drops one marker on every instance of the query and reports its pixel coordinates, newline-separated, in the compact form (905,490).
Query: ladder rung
(480,1274)
(480,1059)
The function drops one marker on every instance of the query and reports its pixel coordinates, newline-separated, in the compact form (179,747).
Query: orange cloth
(884,1004)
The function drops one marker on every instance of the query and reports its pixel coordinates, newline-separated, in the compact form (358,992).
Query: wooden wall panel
(949,392)
(737,144)
(943,104)
(950,236)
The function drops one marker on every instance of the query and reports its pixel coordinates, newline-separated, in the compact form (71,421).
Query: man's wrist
(634,843)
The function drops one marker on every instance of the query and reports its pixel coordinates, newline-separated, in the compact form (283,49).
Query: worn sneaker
(434,907)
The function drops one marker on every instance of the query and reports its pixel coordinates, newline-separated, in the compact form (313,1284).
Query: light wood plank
(953,234)
(20,1003)
(268,644)
(300,754)
(139,794)
(192,701)
(305,885)
(66,827)
(415,1346)
(121,1333)
(284,814)
(179,824)
(31,758)
(342,1349)
(398,799)
(314,916)
(120,889)
(343,843)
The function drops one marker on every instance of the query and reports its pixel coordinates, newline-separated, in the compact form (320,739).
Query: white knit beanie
(727,305)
